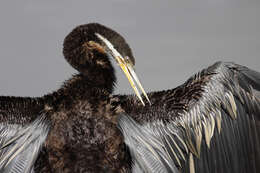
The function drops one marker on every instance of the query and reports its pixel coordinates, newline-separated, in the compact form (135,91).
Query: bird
(73,129)
(208,124)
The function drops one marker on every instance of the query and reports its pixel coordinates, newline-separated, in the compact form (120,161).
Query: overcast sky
(170,39)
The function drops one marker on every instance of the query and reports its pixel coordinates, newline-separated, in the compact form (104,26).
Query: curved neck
(92,63)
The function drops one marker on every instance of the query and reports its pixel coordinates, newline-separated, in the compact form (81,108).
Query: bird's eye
(129,61)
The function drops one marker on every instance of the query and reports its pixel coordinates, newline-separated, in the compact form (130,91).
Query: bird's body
(75,129)
(79,133)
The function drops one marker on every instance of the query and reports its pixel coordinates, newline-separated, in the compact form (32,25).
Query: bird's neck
(79,87)
(80,84)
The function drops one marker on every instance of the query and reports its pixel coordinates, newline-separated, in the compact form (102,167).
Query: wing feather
(229,102)
(20,145)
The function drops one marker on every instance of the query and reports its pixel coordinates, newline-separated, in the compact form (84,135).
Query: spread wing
(23,130)
(219,132)
(20,145)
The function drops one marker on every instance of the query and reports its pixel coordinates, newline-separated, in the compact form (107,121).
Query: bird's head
(88,49)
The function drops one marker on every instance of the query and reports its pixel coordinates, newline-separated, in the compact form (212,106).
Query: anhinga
(208,124)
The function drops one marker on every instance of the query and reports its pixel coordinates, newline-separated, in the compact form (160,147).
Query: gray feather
(20,145)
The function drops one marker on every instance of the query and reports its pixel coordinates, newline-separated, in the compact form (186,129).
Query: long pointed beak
(132,78)
(127,69)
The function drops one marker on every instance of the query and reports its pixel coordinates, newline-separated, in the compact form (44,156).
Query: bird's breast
(86,137)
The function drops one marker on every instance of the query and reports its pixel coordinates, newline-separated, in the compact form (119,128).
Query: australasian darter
(208,124)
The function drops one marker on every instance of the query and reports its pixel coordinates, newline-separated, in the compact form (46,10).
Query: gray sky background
(171,39)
